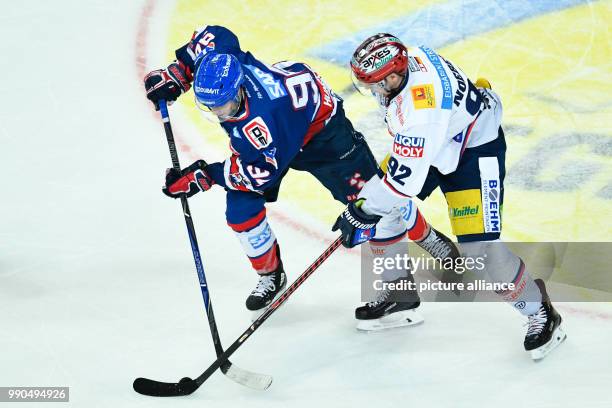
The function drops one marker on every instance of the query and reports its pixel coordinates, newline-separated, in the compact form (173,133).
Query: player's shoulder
(419,64)
(417,104)
(264,86)
(214,37)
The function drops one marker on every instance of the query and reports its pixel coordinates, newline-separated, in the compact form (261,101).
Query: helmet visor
(218,114)
(368,89)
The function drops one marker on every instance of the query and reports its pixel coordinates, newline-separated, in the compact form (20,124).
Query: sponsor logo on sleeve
(258,133)
(421,65)
(415,64)
(490,188)
(408,146)
(423,96)
(447,100)
(490,201)
(271,86)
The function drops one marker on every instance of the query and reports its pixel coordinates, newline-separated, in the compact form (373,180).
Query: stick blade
(249,379)
(154,388)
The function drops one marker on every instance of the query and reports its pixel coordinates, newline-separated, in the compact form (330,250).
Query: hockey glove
(188,181)
(355,225)
(167,83)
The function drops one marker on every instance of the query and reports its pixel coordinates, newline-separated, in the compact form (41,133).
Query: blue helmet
(217,79)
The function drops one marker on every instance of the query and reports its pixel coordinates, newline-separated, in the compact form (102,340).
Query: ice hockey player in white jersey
(446,132)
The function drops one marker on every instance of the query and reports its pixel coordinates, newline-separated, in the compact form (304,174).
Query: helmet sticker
(378,58)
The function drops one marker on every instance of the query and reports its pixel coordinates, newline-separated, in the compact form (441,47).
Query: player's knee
(390,229)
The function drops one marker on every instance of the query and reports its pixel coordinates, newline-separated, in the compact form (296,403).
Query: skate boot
(440,247)
(268,287)
(385,313)
(544,332)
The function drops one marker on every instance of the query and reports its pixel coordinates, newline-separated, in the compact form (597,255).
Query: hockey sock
(259,244)
(503,266)
(420,228)
(390,248)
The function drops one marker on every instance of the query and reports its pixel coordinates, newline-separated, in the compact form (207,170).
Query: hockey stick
(187,386)
(237,374)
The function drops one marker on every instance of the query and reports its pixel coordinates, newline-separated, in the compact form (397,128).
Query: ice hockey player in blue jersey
(277,117)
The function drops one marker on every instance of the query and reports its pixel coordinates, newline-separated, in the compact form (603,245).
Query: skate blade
(392,321)
(558,337)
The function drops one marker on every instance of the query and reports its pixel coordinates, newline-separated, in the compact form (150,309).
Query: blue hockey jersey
(287,103)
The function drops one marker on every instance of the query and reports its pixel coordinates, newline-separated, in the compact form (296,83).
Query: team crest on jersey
(423,96)
(415,64)
(257,132)
(407,146)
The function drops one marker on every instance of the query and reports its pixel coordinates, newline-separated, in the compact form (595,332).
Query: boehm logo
(492,204)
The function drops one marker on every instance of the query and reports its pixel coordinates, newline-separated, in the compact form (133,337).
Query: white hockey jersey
(437,115)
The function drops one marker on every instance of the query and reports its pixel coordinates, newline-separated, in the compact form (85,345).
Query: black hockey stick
(187,386)
(237,374)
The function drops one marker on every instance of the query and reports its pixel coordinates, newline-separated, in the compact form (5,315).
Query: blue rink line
(446,23)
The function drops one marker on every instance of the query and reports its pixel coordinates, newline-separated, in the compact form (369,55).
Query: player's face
(382,88)
(388,85)
(227,111)
(224,112)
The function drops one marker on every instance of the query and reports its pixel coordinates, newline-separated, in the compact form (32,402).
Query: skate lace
(536,322)
(435,246)
(265,284)
(382,298)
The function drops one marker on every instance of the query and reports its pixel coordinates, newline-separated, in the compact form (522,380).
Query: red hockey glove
(188,181)
(168,83)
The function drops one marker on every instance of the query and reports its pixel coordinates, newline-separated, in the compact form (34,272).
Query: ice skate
(385,313)
(544,332)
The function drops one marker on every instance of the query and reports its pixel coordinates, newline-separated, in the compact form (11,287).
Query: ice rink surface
(97,284)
